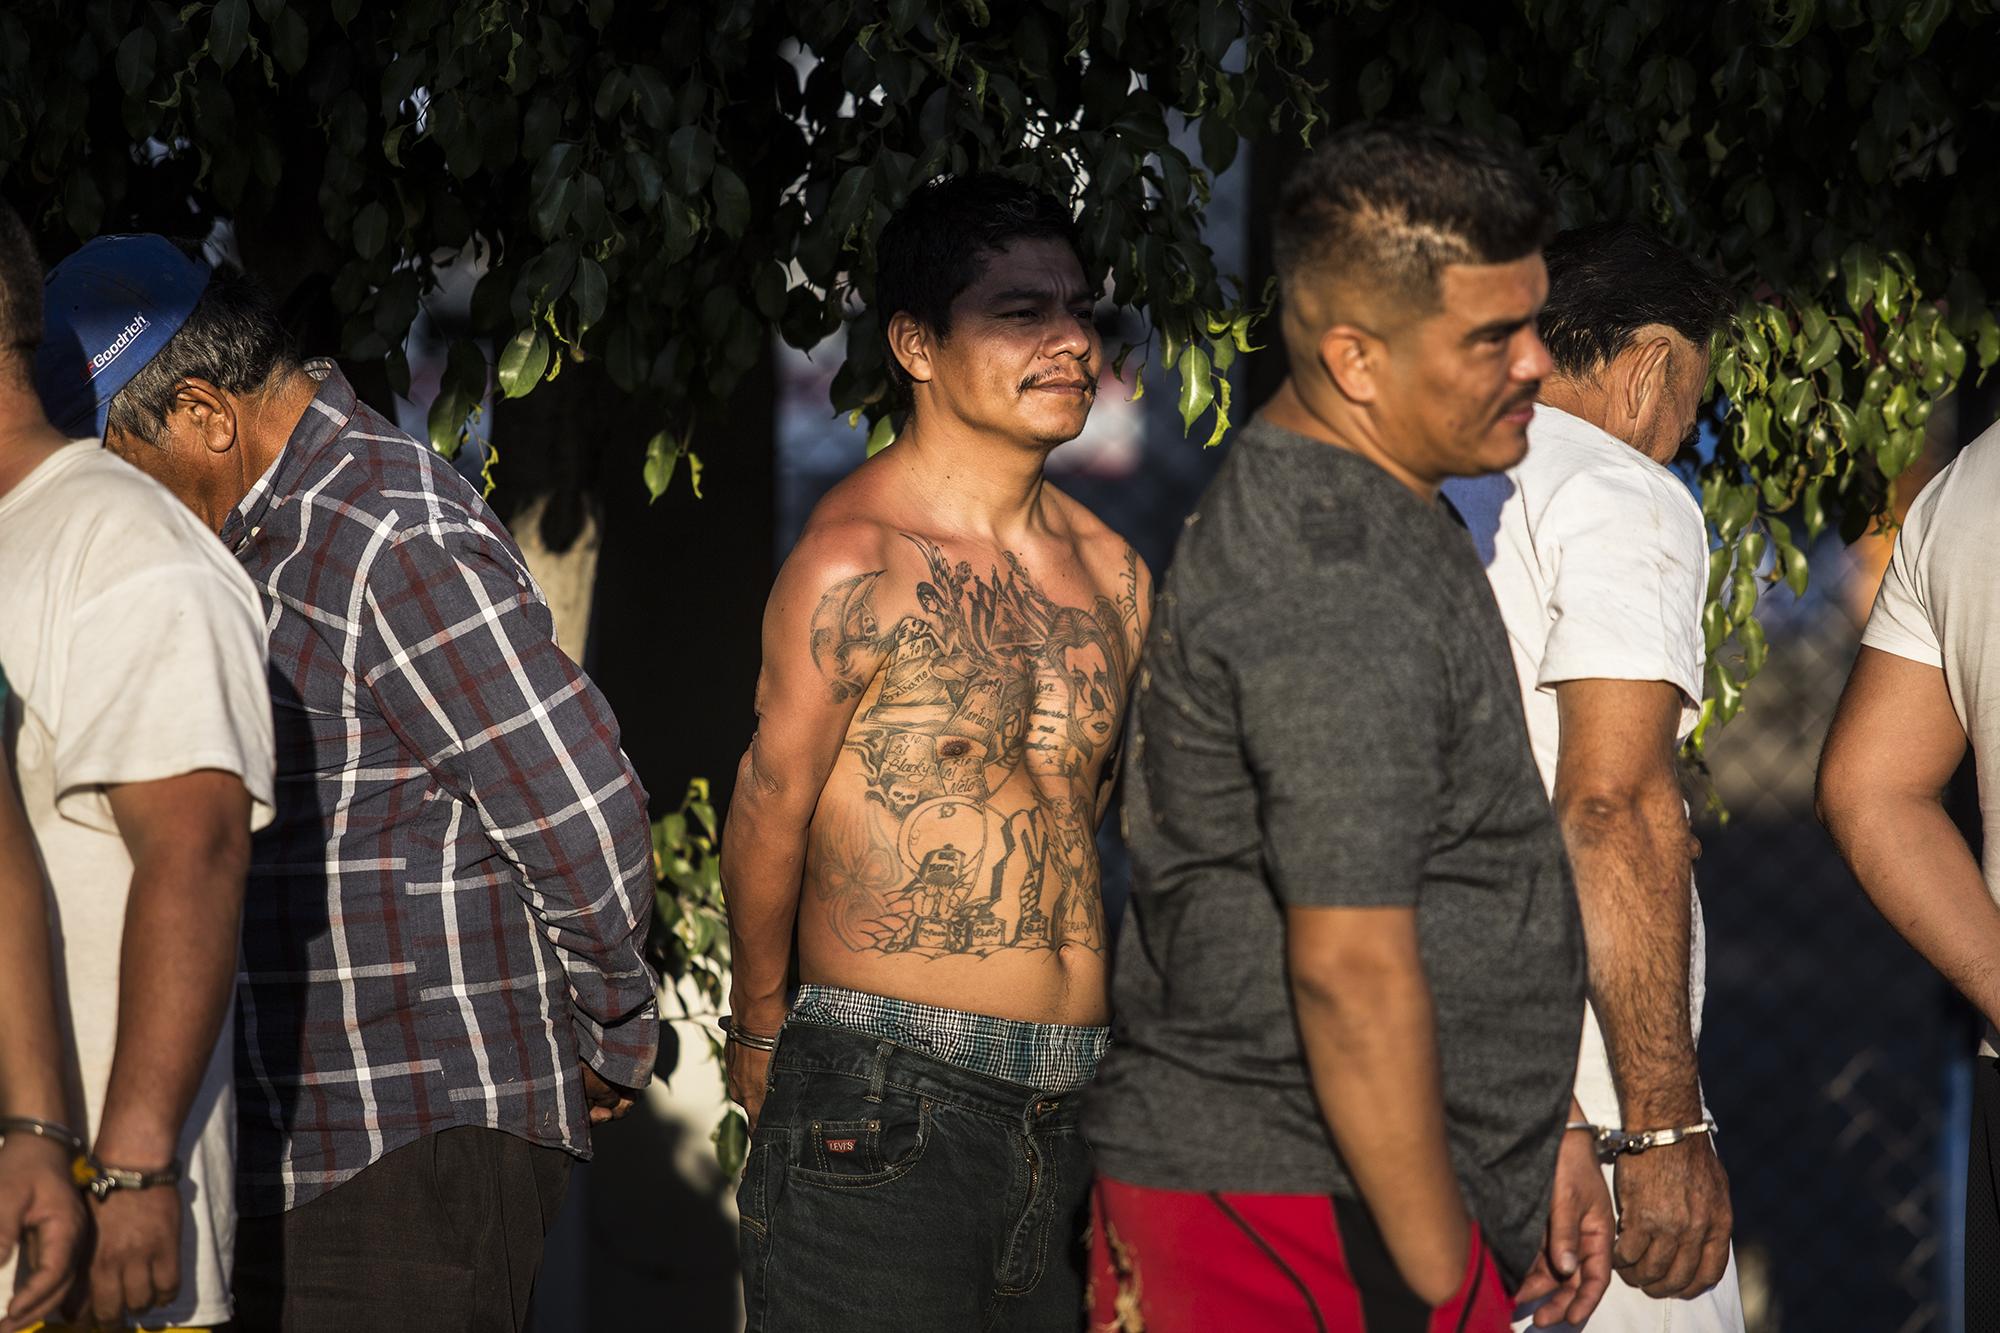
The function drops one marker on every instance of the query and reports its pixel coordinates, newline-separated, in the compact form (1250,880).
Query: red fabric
(1164,1261)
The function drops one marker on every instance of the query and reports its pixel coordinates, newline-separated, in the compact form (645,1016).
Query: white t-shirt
(134,648)
(1939,604)
(1598,557)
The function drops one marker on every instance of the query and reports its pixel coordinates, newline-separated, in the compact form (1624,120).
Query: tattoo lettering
(948,854)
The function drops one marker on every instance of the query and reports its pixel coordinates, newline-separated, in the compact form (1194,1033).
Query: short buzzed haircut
(1383,206)
(939,242)
(233,338)
(20,295)
(1606,282)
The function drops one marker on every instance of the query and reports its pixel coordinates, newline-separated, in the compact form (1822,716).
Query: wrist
(758,1013)
(1676,1106)
(48,1152)
(134,1144)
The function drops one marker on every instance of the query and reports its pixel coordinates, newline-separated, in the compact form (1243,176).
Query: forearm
(1632,880)
(1370,1044)
(30,1084)
(177,969)
(1915,867)
(763,860)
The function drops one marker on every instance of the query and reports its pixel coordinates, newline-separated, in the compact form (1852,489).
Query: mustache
(1080,376)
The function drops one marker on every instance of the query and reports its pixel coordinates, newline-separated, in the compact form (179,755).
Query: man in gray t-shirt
(1347,994)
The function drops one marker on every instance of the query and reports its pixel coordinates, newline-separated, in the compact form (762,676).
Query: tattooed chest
(985,722)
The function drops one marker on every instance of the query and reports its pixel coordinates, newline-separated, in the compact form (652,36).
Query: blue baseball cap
(107,310)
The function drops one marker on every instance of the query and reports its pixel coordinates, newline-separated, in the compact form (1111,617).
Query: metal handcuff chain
(1611,1142)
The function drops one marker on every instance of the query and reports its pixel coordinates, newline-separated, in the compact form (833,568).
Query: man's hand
(1574,1268)
(607,1101)
(42,1211)
(137,1265)
(748,1069)
(1674,1219)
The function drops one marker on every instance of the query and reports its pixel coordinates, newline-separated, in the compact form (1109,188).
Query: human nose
(1074,335)
(1531,360)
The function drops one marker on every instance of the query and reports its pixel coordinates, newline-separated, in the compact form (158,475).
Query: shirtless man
(947,655)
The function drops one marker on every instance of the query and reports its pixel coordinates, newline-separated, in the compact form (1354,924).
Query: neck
(26,437)
(971,481)
(1585,402)
(1345,426)
(264,425)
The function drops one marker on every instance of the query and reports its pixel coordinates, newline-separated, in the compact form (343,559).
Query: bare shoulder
(1112,563)
(851,574)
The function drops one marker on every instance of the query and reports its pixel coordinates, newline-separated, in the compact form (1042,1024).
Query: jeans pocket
(858,1154)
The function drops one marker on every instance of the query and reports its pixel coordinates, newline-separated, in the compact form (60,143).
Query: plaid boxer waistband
(1050,1057)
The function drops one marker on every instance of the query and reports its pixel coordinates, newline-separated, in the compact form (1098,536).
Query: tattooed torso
(952,858)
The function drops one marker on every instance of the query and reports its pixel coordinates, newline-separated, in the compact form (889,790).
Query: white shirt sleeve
(166,675)
(1628,562)
(1901,621)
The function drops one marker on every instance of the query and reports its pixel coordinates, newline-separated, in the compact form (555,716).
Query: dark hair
(940,240)
(1387,204)
(232,338)
(1606,282)
(20,293)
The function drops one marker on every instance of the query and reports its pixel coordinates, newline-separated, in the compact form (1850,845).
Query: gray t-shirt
(1327,716)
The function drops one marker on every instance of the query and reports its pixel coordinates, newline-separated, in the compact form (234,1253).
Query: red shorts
(1166,1261)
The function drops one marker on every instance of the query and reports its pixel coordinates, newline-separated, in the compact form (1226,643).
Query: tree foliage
(659,185)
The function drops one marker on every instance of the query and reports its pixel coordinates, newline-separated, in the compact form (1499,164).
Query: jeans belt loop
(878,1073)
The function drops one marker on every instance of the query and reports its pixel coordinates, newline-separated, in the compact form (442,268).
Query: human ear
(1352,359)
(912,345)
(1647,375)
(208,414)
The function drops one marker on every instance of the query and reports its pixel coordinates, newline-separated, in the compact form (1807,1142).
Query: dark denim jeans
(888,1191)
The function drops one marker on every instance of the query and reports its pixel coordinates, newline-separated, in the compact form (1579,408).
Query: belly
(990,904)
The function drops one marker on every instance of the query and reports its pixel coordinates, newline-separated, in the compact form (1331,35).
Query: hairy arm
(1619,802)
(1370,1041)
(822,639)
(1894,744)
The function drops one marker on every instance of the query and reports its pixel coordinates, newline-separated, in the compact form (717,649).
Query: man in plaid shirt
(444,982)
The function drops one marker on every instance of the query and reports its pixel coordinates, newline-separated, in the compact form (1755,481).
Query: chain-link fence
(1831,1053)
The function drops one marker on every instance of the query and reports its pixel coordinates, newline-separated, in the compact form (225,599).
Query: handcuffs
(1612,1142)
(90,1175)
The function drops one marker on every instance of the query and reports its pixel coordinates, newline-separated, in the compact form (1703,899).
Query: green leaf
(850,196)
(523,361)
(228,31)
(1377,81)
(1796,568)
(732,202)
(589,291)
(1822,349)
(881,435)
(288,39)
(1921,20)
(371,229)
(1197,386)
(662,457)
(1756,648)
(1857,271)
(690,159)
(732,1142)
(135,60)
